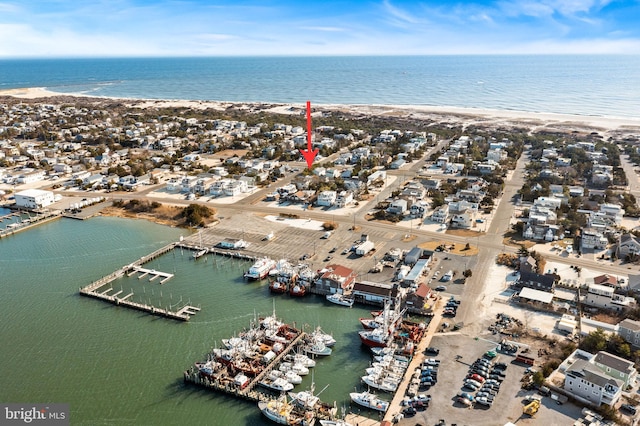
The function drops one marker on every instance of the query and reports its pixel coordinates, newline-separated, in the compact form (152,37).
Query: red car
(476,377)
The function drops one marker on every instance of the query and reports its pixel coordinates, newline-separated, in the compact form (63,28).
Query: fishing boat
(289,376)
(260,269)
(317,347)
(325,338)
(369,400)
(282,412)
(298,290)
(377,337)
(300,359)
(340,299)
(278,287)
(296,368)
(381,383)
(278,384)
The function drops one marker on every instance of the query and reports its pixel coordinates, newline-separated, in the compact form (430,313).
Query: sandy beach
(535,121)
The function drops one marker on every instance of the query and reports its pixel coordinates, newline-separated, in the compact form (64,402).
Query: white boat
(369,400)
(289,376)
(301,359)
(305,399)
(279,384)
(296,368)
(340,299)
(318,348)
(325,338)
(282,412)
(260,269)
(380,383)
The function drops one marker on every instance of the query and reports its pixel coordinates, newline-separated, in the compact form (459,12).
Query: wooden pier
(39,218)
(93,289)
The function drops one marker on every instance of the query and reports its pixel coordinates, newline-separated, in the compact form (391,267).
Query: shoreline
(465,115)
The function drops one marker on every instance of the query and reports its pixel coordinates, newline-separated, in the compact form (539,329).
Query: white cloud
(398,16)
(324,29)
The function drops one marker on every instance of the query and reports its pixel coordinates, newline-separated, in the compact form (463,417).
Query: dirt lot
(508,402)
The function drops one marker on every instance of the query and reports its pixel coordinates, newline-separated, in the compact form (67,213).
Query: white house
(34,198)
(327,198)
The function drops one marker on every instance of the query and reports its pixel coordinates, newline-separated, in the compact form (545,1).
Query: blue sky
(61,28)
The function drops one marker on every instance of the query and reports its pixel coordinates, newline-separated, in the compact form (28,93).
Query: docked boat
(278,384)
(369,400)
(377,337)
(260,269)
(241,381)
(298,290)
(300,359)
(282,412)
(325,338)
(278,287)
(317,347)
(340,299)
(295,367)
(198,254)
(381,383)
(289,376)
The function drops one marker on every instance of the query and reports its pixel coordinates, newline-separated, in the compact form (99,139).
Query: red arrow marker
(309,154)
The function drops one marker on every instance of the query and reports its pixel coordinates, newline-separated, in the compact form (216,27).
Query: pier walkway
(93,289)
(22,225)
(395,407)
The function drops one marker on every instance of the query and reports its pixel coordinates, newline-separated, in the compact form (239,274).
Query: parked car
(473,382)
(629,408)
(441,288)
(465,395)
(478,378)
(432,351)
(473,385)
(500,366)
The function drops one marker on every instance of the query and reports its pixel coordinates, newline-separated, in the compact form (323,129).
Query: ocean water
(116,366)
(579,84)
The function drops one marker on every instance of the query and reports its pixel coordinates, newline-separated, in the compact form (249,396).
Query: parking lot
(508,402)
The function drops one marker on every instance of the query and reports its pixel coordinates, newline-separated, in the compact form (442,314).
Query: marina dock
(95,289)
(22,225)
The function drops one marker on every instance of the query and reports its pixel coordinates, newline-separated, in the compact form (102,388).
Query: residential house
(327,198)
(629,245)
(344,199)
(586,381)
(616,367)
(629,330)
(546,282)
(592,239)
(441,214)
(397,207)
(603,296)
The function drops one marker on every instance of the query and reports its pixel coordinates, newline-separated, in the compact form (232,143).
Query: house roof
(379,289)
(340,270)
(423,291)
(630,324)
(613,361)
(546,281)
(606,279)
(591,373)
(537,295)
(627,238)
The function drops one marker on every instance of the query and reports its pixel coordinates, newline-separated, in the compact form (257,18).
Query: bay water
(117,366)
